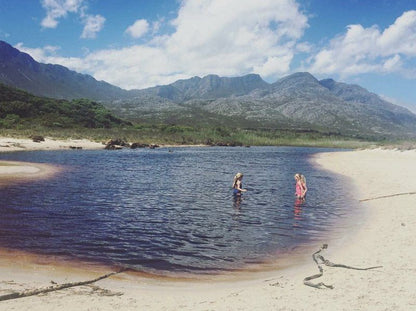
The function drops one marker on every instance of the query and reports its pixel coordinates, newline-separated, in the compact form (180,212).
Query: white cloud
(227,38)
(93,24)
(222,37)
(39,54)
(56,9)
(393,62)
(275,65)
(156,25)
(138,29)
(401,36)
(303,47)
(369,50)
(48,55)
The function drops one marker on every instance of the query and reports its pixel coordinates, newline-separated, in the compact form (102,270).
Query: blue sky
(142,43)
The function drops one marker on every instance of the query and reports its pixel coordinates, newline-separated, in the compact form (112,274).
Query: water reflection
(297,212)
(237,199)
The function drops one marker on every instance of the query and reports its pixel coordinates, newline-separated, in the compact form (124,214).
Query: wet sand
(385,183)
(18,172)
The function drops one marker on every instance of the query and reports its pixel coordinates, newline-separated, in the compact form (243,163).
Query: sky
(136,44)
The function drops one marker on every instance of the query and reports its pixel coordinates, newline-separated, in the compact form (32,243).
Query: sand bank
(387,238)
(8,144)
(14,171)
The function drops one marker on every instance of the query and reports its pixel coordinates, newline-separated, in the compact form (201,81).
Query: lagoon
(171,210)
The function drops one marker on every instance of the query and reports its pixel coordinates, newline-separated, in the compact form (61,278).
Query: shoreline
(8,144)
(385,237)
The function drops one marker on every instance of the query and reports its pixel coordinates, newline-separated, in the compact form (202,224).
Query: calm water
(171,209)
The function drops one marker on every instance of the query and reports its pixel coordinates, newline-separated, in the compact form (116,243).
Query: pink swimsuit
(298,189)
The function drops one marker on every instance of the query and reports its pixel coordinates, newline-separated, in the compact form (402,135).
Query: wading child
(301,188)
(237,184)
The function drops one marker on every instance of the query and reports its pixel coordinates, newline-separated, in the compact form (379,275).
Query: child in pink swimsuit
(300,186)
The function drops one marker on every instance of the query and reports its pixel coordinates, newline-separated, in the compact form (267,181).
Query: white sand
(20,144)
(386,238)
(12,171)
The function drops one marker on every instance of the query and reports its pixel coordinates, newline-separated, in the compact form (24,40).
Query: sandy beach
(12,171)
(8,144)
(385,187)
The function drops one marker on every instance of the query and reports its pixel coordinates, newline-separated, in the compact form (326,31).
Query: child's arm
(238,186)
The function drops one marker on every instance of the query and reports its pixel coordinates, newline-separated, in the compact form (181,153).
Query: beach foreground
(385,182)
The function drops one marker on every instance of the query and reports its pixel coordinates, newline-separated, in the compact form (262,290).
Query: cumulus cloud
(57,9)
(370,50)
(138,29)
(230,37)
(92,25)
(227,38)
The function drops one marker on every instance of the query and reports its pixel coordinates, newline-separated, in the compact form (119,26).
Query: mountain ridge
(298,100)
(18,69)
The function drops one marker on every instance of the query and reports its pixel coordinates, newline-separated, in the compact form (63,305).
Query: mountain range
(20,70)
(298,101)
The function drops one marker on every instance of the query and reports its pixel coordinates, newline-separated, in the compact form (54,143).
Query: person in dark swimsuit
(237,184)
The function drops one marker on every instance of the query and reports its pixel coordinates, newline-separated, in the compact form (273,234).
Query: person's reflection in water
(237,199)
(297,211)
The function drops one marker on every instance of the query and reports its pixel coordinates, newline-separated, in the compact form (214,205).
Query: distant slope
(20,70)
(21,109)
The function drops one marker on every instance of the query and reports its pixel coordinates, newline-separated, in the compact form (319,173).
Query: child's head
(297,176)
(238,176)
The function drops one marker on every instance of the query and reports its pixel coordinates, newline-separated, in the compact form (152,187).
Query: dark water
(171,209)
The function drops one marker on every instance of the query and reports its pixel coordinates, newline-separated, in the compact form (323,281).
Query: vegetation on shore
(178,135)
(25,115)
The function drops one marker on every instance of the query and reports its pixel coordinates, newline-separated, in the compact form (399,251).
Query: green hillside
(23,114)
(19,109)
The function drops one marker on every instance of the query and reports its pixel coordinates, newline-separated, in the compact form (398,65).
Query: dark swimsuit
(236,191)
